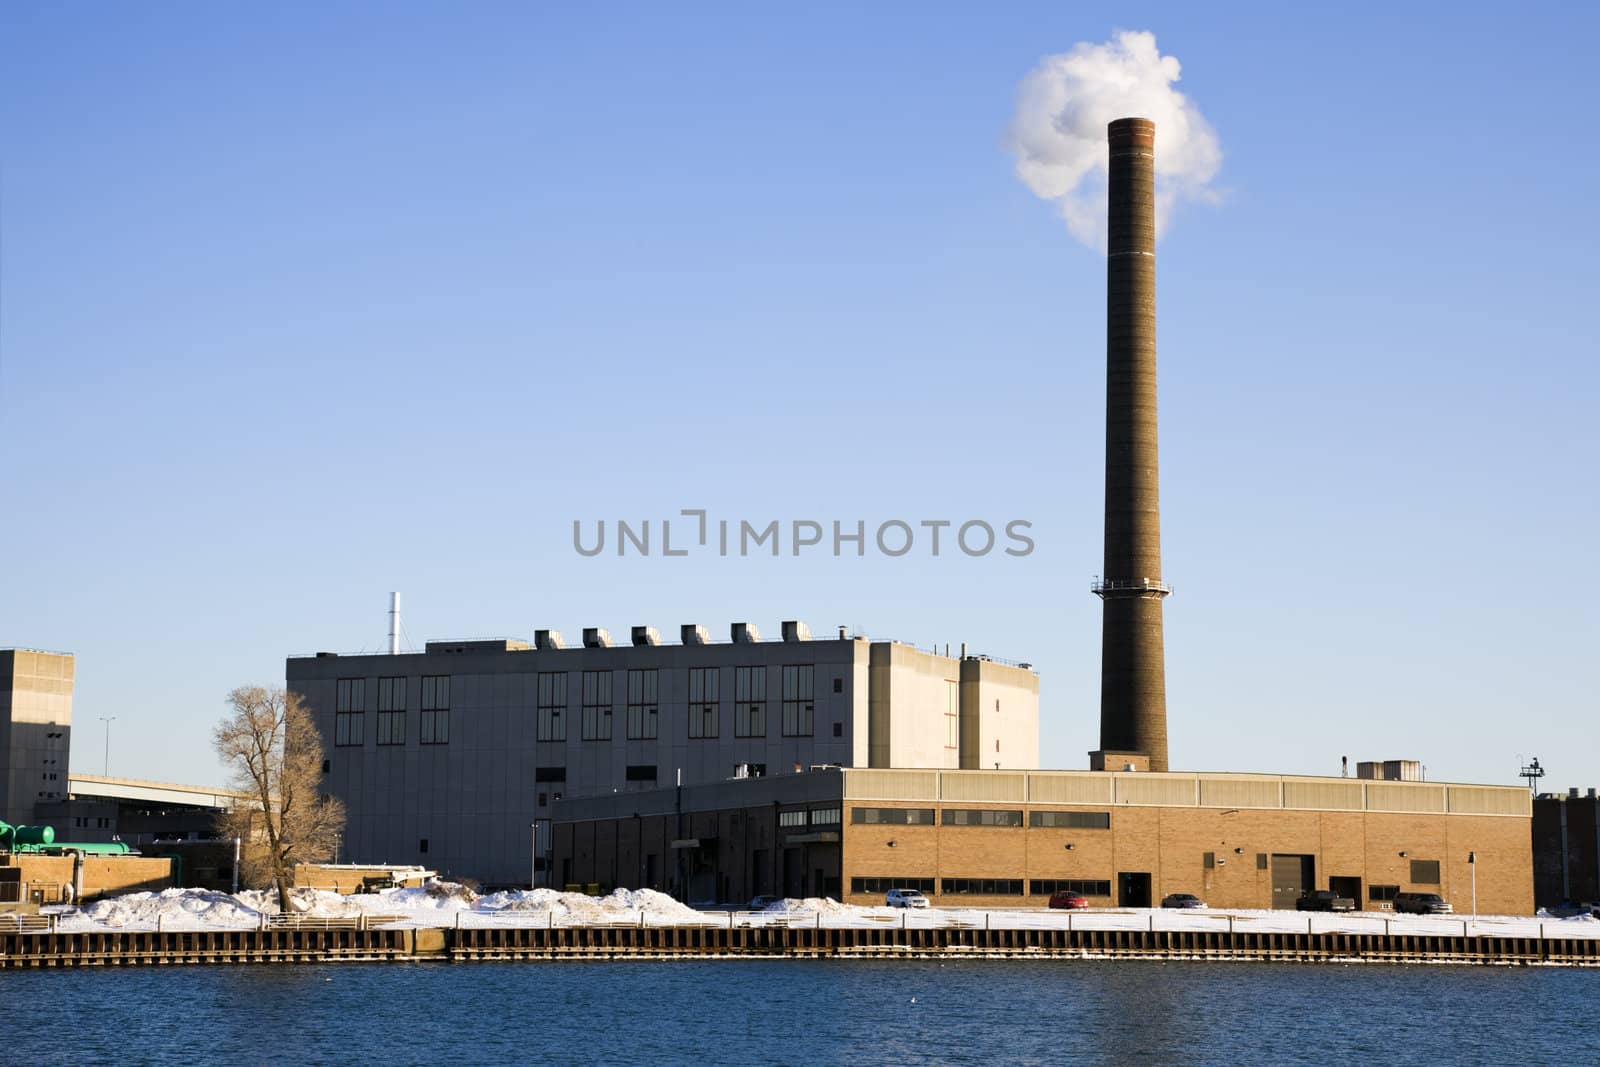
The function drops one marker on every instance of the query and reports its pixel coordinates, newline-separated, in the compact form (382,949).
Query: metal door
(1291,877)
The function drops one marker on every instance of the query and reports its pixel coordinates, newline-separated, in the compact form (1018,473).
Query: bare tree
(274,754)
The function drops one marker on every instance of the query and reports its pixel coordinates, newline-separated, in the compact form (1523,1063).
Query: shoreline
(545,943)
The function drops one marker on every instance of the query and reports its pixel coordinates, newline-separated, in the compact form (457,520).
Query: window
(981,817)
(642,705)
(597,705)
(825,817)
(838,685)
(1208,861)
(792,819)
(643,773)
(436,709)
(988,887)
(422,845)
(750,702)
(703,684)
(1088,887)
(1071,820)
(1425,872)
(892,816)
(552,706)
(798,704)
(349,711)
(1379,893)
(391,711)
(883,885)
(1261,861)
(549,774)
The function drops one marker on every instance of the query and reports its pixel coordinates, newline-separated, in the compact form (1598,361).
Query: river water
(987,1012)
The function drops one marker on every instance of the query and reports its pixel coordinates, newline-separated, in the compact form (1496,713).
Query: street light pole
(1472,862)
(108,721)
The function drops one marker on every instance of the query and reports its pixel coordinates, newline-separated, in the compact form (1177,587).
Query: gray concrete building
(35,730)
(453,757)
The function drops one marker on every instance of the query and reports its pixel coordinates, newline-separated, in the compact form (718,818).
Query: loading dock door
(1133,889)
(1291,877)
(1348,887)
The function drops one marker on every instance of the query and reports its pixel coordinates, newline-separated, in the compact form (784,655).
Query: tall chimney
(1133,688)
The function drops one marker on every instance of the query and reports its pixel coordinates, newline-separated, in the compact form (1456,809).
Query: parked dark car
(1182,900)
(1324,900)
(1422,904)
(1064,899)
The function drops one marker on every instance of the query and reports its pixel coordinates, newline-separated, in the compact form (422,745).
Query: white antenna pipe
(394,624)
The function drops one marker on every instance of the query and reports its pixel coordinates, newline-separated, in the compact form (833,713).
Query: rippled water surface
(803,1012)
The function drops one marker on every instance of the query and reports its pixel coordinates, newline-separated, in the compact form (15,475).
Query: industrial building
(35,729)
(892,767)
(1011,838)
(454,757)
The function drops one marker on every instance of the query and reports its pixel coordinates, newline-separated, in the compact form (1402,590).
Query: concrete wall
(999,716)
(35,730)
(915,707)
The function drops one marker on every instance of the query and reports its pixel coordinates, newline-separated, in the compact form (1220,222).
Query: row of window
(883,885)
(988,887)
(1087,887)
(349,716)
(800,817)
(1076,820)
(998,887)
(798,705)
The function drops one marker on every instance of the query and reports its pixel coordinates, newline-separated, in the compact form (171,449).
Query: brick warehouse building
(1010,838)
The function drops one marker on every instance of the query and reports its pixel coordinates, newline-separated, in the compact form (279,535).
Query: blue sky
(308,303)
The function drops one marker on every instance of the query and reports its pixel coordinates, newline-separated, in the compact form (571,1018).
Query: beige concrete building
(35,730)
(1011,838)
(454,757)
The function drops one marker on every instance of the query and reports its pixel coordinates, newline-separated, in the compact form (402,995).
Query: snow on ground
(448,904)
(199,908)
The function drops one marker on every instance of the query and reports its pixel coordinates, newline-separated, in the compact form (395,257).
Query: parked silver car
(905,898)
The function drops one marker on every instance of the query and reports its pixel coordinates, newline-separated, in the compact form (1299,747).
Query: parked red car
(1064,899)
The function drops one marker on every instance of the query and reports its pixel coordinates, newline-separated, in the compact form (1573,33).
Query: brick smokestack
(1133,688)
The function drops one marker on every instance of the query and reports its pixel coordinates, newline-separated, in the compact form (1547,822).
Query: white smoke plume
(1059,132)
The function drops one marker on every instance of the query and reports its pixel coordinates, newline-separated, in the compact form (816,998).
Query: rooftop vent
(646,635)
(546,640)
(745,633)
(794,630)
(596,637)
(693,634)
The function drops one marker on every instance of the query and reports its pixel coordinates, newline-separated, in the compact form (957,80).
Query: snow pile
(1567,915)
(623,905)
(435,897)
(171,907)
(813,905)
(305,902)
